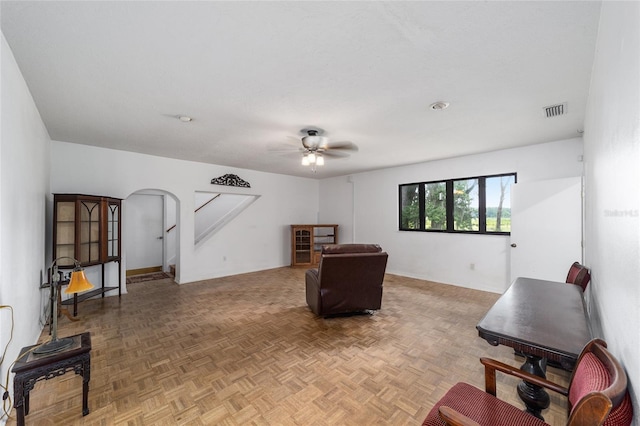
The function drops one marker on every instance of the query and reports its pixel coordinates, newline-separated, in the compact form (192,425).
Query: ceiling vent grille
(555,110)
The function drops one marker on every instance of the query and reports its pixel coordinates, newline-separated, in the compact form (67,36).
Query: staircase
(214,212)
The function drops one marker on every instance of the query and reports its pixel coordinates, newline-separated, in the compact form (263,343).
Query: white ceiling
(253,74)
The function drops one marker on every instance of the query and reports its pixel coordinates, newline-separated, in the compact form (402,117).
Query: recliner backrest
(352,264)
(351,276)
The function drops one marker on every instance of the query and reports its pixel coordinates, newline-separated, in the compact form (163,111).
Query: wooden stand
(32,368)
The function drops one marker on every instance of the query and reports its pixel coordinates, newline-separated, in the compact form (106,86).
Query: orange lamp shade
(78,283)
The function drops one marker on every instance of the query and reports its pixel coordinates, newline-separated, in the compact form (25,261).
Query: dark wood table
(31,368)
(546,321)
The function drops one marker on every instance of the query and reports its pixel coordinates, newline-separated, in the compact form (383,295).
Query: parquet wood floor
(246,350)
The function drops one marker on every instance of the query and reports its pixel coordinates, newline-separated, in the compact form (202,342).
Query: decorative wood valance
(230,180)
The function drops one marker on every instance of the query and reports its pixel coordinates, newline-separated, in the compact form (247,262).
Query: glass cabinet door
(89,231)
(65,235)
(303,245)
(113,229)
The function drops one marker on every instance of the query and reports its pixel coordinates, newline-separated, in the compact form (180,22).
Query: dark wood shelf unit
(87,228)
(307,241)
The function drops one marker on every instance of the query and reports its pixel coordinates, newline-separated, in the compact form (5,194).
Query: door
(546,228)
(144,228)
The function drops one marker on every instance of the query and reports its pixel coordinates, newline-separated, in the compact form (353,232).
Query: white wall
(612,186)
(440,257)
(337,201)
(257,239)
(24,188)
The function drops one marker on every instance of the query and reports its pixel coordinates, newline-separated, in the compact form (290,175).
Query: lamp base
(54,346)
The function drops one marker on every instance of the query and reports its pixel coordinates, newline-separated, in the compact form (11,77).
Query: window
(409,211)
(465,205)
(498,199)
(435,207)
(474,205)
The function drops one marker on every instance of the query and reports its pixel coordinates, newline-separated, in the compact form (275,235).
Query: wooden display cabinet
(87,228)
(307,241)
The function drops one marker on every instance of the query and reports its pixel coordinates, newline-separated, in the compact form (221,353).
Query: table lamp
(77,284)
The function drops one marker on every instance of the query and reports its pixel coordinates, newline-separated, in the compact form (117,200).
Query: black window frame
(449,184)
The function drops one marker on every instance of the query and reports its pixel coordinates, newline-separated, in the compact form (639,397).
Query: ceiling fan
(316,147)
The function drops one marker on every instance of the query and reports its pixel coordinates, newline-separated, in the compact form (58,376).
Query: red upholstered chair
(597,395)
(579,275)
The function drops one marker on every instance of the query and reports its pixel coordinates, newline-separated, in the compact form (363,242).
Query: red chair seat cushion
(482,407)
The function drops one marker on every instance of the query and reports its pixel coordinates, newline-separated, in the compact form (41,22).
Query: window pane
(409,207)
(465,205)
(498,190)
(435,205)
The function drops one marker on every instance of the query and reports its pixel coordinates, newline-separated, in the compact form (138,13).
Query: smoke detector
(437,106)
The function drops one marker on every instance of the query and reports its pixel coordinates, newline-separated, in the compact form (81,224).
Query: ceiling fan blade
(288,154)
(334,154)
(283,151)
(344,145)
(284,147)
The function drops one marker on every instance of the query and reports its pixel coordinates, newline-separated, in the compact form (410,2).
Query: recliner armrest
(312,274)
(312,290)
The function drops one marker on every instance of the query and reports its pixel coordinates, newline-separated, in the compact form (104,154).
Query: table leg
(85,397)
(534,397)
(20,415)
(19,406)
(86,376)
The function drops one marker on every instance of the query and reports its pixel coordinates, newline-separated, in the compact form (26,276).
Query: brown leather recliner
(348,279)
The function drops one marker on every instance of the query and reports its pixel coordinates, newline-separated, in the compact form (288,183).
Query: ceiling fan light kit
(313,145)
(316,147)
(312,159)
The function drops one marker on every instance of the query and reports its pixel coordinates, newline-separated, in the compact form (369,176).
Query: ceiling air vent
(555,110)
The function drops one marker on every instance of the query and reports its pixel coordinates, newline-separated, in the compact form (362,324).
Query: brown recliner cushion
(350,248)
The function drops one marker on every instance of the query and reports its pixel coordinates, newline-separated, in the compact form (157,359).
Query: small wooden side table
(31,368)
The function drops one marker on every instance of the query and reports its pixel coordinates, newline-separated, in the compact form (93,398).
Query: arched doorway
(151,232)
